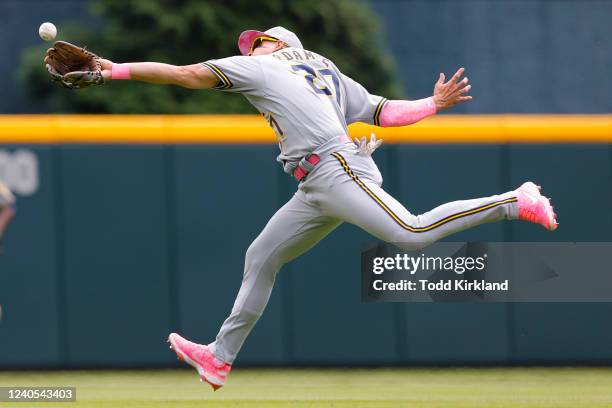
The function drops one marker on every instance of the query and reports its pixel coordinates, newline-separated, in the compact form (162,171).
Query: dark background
(546,56)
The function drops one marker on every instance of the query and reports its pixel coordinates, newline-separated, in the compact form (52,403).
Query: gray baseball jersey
(305,114)
(309,103)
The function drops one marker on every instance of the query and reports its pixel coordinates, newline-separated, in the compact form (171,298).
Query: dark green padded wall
(115,255)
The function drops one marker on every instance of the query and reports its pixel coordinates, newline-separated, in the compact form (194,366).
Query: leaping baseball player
(309,103)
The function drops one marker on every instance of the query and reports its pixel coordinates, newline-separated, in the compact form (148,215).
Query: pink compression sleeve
(402,113)
(120,71)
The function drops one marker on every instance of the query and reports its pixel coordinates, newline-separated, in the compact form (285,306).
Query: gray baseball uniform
(309,102)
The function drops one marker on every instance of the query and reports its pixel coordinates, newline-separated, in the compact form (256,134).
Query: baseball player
(309,103)
(7,210)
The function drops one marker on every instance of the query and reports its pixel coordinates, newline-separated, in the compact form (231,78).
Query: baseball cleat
(534,207)
(210,368)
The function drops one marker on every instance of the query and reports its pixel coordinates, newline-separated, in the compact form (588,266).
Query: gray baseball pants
(343,187)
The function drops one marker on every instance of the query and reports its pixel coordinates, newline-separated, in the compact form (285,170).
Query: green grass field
(457,388)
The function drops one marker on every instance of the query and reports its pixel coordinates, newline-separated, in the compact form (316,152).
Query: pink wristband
(402,113)
(120,71)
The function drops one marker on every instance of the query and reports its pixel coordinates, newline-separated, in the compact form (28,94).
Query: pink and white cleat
(534,207)
(210,368)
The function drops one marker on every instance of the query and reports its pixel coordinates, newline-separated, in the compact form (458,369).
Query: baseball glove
(72,66)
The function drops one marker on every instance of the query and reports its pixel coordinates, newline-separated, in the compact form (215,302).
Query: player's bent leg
(294,229)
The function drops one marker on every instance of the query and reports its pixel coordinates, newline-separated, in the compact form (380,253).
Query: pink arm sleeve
(121,71)
(402,113)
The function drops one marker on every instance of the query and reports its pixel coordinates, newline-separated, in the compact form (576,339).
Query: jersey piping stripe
(222,75)
(378,110)
(399,221)
(225,81)
(215,70)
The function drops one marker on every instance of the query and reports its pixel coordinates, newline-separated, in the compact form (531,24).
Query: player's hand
(454,91)
(107,67)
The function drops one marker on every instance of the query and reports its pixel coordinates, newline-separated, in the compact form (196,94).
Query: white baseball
(47,31)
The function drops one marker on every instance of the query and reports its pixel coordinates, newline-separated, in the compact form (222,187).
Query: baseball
(47,31)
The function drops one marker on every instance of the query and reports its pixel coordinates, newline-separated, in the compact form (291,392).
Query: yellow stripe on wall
(228,129)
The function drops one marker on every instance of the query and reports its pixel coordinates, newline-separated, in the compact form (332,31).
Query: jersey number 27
(311,75)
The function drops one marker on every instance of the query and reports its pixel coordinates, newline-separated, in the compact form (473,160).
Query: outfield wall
(131,227)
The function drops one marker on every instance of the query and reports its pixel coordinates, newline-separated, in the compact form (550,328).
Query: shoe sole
(201,372)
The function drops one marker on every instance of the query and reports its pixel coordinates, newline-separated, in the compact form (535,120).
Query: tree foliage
(187,31)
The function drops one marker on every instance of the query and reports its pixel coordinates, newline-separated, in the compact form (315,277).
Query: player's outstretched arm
(195,76)
(75,67)
(445,95)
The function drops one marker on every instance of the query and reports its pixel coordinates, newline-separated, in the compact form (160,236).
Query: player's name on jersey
(294,54)
(450,284)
